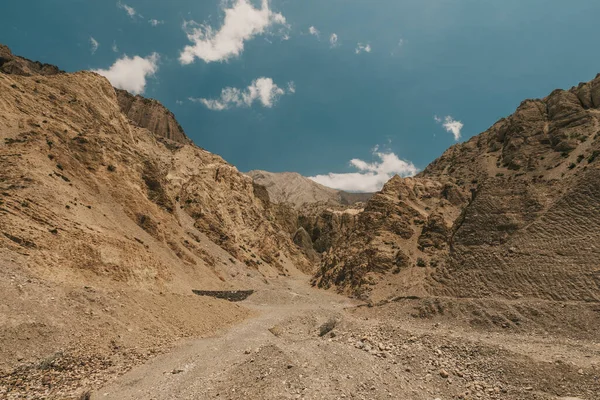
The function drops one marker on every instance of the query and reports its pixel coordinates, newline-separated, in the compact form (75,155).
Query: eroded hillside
(106,226)
(513,212)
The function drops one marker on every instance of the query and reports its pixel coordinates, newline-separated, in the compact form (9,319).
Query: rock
(444,373)
(152,115)
(11,64)
(327,327)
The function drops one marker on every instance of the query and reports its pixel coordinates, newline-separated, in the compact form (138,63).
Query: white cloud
(131,73)
(114,47)
(333,40)
(263,90)
(129,10)
(362,48)
(155,22)
(451,125)
(242,22)
(291,87)
(314,31)
(94,45)
(398,47)
(370,176)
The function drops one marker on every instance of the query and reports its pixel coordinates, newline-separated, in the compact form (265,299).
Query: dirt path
(279,354)
(196,367)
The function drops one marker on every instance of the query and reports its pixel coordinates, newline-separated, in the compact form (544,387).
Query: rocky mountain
(152,115)
(314,215)
(513,212)
(11,64)
(110,217)
(297,190)
(145,113)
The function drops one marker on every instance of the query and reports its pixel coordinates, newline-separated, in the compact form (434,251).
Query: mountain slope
(152,115)
(524,221)
(295,189)
(106,227)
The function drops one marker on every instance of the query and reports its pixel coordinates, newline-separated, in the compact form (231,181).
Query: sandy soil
(380,352)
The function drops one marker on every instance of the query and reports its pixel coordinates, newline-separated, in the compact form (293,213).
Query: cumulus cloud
(114,47)
(451,125)
(333,40)
(129,10)
(262,90)
(242,22)
(155,22)
(94,45)
(362,48)
(370,177)
(131,73)
(314,31)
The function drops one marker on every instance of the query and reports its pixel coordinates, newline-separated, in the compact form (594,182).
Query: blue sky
(265,91)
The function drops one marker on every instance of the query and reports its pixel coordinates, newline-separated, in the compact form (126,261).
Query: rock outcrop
(152,115)
(311,213)
(398,235)
(11,64)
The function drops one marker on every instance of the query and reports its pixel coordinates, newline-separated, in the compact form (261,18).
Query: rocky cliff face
(11,64)
(314,215)
(402,232)
(145,113)
(512,212)
(152,115)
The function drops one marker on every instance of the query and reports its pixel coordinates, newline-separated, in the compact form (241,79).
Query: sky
(347,92)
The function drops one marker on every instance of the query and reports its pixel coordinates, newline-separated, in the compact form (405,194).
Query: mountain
(513,212)
(110,217)
(150,114)
(11,64)
(314,215)
(295,189)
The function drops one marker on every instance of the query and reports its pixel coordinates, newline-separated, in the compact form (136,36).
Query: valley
(478,278)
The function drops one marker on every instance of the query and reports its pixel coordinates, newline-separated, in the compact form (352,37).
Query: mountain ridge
(510,185)
(298,190)
(106,227)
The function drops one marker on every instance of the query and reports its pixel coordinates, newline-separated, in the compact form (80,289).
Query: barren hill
(106,226)
(295,189)
(513,212)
